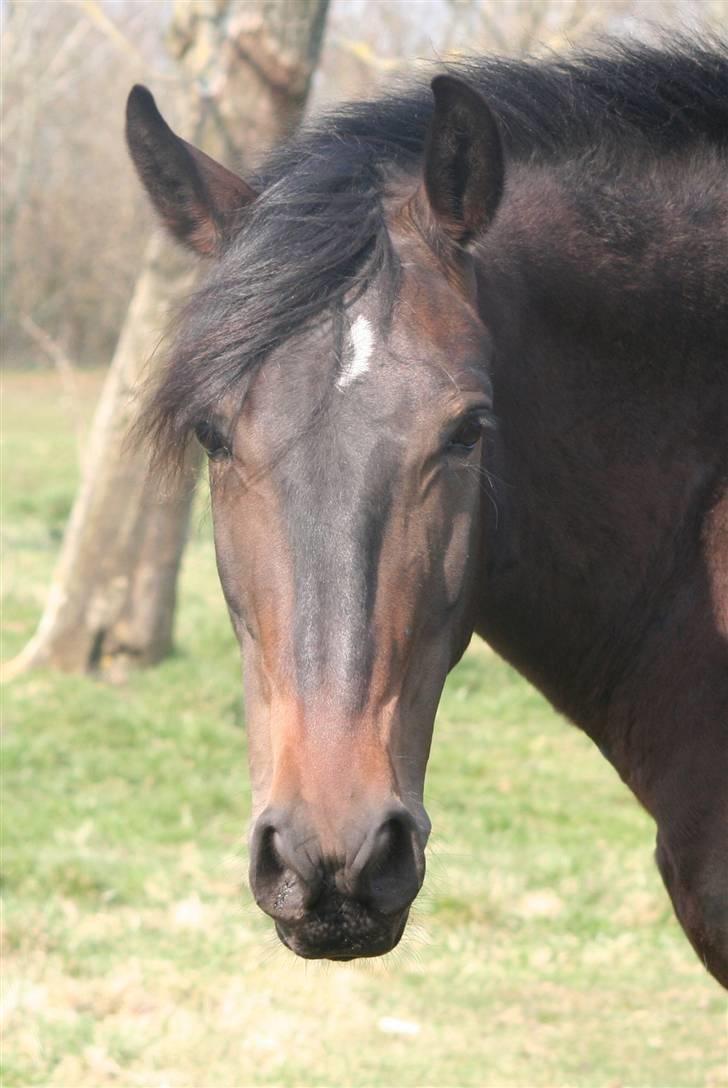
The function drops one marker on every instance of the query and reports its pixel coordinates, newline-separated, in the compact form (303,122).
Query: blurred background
(543,950)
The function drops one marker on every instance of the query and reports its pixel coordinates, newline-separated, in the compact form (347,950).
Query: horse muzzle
(341,897)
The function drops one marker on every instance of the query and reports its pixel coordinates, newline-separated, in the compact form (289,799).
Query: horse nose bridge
(332,756)
(336,574)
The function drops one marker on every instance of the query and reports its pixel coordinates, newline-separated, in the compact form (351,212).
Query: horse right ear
(195,196)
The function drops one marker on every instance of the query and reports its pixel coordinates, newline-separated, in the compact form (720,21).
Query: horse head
(335,369)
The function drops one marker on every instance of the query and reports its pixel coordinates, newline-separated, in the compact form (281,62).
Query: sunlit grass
(542,950)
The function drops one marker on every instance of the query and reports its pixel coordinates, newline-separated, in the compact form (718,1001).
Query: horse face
(347,518)
(347,482)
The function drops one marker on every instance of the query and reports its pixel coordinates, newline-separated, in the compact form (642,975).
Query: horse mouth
(338,938)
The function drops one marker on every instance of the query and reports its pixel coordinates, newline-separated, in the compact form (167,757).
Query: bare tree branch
(96,14)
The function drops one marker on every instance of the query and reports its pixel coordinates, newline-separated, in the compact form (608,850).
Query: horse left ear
(463,165)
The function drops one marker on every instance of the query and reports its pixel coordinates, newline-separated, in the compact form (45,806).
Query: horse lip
(299,948)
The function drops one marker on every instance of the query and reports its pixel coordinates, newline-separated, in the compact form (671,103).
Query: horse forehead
(370,375)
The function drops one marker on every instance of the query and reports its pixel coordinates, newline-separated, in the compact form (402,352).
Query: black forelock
(317,232)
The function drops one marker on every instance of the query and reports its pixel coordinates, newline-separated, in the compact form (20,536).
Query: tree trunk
(111,603)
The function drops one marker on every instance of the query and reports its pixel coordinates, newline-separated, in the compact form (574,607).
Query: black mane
(317,231)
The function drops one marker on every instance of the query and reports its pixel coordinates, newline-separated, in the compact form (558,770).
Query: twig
(93,11)
(364,52)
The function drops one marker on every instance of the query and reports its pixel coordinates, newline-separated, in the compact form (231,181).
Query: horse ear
(463,168)
(196,197)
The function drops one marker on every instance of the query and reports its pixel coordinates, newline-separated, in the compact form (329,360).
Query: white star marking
(360,348)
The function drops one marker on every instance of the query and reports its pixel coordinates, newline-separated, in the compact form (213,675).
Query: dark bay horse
(460,365)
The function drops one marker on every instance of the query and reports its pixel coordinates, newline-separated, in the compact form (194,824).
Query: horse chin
(337,938)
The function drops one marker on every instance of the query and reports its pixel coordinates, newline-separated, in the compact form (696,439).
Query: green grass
(543,950)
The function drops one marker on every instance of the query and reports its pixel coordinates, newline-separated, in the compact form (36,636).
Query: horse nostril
(391,865)
(269,864)
(283,886)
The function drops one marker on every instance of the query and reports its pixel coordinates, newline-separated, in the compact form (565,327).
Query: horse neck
(604,559)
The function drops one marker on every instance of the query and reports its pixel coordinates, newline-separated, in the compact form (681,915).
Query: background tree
(248,66)
(68,197)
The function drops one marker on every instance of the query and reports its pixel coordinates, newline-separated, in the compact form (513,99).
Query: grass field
(543,949)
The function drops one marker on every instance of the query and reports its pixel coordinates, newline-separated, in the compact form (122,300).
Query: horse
(460,365)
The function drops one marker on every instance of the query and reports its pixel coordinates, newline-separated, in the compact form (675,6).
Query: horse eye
(466,437)
(211,441)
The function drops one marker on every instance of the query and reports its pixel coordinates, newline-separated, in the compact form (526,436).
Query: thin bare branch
(93,11)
